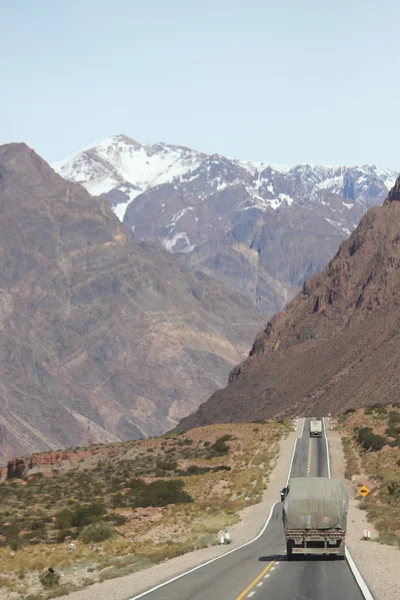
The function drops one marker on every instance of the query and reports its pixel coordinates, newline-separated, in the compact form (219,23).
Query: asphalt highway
(260,570)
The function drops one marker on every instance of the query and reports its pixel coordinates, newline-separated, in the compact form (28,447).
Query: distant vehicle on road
(315,516)
(316,428)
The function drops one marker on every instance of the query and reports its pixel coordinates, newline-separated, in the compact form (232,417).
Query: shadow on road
(297,558)
(270,557)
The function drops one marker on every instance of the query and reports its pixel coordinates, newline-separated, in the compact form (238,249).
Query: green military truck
(315,516)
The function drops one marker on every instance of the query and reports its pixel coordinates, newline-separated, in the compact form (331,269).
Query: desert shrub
(64,533)
(116,519)
(164,465)
(158,493)
(379,408)
(219,448)
(393,488)
(49,579)
(221,468)
(395,443)
(63,519)
(369,440)
(15,543)
(394,417)
(393,431)
(206,444)
(97,532)
(196,470)
(82,516)
(86,515)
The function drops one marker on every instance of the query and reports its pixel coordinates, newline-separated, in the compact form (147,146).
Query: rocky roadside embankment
(251,521)
(377,563)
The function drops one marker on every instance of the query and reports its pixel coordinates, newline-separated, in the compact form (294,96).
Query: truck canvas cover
(315,503)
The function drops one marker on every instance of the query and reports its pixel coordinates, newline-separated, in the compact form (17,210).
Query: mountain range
(337,344)
(261,229)
(102,338)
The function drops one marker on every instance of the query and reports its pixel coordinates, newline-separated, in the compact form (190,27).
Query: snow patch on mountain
(123,165)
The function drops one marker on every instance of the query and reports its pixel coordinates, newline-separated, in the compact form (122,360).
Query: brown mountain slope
(101,338)
(337,345)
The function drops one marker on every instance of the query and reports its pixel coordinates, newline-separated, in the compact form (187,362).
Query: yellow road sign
(363,490)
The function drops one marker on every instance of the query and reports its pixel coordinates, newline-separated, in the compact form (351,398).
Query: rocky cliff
(101,338)
(336,346)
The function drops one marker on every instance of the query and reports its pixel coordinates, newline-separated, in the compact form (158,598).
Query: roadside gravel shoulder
(251,522)
(377,563)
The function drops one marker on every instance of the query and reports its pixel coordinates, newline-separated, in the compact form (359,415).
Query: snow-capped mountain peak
(262,228)
(120,160)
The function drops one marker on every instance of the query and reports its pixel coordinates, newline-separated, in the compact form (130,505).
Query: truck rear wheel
(289,553)
(341,555)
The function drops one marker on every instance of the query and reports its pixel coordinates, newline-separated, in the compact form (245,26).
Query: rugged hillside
(336,346)
(127,506)
(101,338)
(261,229)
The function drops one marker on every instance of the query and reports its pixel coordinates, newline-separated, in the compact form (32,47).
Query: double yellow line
(309,458)
(257,579)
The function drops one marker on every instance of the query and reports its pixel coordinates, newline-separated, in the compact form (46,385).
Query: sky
(282,81)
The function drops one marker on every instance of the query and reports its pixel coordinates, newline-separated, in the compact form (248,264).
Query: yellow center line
(253,583)
(309,457)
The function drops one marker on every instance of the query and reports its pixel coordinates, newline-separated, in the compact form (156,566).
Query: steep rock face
(336,345)
(101,338)
(260,229)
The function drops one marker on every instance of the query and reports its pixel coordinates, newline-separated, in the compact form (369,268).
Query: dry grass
(150,534)
(378,469)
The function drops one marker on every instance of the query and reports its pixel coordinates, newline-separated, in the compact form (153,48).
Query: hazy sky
(277,81)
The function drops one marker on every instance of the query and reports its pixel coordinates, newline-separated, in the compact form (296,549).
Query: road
(260,570)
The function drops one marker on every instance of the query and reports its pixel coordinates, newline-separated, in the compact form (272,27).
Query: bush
(82,516)
(394,417)
(164,465)
(393,431)
(393,488)
(158,493)
(87,515)
(63,533)
(219,448)
(49,579)
(97,532)
(369,440)
(379,408)
(221,468)
(15,543)
(116,519)
(196,470)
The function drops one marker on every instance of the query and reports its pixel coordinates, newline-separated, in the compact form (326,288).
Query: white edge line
(357,576)
(353,567)
(291,462)
(208,562)
(302,429)
(328,460)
